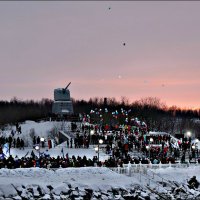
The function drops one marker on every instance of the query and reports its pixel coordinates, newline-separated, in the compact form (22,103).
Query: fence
(146,174)
(160,165)
(149,178)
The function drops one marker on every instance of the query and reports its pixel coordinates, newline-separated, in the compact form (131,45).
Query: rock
(19,188)
(74,194)
(45,197)
(46,190)
(7,191)
(60,190)
(36,193)
(87,196)
(138,192)
(26,195)
(64,197)
(123,191)
(141,198)
(89,190)
(78,198)
(17,198)
(8,199)
(145,195)
(128,197)
(97,194)
(116,191)
(56,197)
(82,193)
(41,191)
(50,187)
(104,197)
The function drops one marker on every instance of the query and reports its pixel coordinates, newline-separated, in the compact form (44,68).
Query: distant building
(62,104)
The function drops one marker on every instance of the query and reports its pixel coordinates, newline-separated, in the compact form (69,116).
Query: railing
(143,177)
(160,165)
(144,171)
(149,178)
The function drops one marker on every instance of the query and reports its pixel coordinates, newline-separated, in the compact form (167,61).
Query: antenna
(67,85)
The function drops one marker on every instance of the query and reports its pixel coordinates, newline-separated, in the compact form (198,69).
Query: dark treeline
(16,110)
(151,110)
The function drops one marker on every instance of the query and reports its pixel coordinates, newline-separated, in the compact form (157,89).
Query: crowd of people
(45,161)
(119,142)
(11,142)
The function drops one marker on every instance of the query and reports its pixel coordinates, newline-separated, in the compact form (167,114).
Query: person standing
(38,140)
(22,144)
(71,141)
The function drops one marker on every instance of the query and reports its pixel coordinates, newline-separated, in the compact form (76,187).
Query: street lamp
(188,133)
(91,139)
(150,142)
(148,149)
(193,149)
(37,148)
(97,151)
(97,148)
(189,136)
(196,148)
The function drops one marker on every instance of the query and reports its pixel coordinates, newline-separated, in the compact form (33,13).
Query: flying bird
(163,85)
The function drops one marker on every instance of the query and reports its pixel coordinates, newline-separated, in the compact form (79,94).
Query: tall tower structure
(62,104)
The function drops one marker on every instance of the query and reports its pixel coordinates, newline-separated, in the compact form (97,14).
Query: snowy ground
(98,179)
(92,177)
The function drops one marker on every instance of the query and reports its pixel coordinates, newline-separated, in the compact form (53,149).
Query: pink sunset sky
(46,45)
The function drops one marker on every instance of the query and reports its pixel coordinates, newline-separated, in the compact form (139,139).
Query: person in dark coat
(193,183)
(38,140)
(18,142)
(14,143)
(71,141)
(183,158)
(22,144)
(34,140)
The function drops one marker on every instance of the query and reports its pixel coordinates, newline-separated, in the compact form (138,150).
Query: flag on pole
(6,148)
(2,156)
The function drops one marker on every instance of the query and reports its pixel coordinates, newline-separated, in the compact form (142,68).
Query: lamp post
(193,149)
(91,133)
(97,148)
(196,147)
(37,148)
(189,139)
(150,142)
(188,133)
(148,149)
